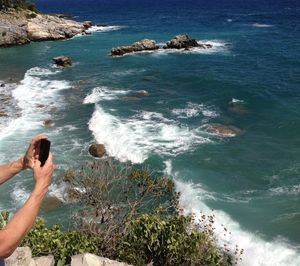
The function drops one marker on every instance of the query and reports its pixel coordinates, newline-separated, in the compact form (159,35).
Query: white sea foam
(57,191)
(236,101)
(133,139)
(257,252)
(33,91)
(194,110)
(103,28)
(286,190)
(104,93)
(259,25)
(168,169)
(19,194)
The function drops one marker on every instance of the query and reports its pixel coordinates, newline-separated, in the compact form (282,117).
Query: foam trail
(103,93)
(133,139)
(103,28)
(259,25)
(258,252)
(34,93)
(194,110)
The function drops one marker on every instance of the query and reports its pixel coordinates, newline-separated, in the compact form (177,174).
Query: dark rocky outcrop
(145,45)
(62,61)
(97,150)
(223,131)
(184,42)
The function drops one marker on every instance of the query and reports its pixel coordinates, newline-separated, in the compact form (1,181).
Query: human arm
(7,171)
(13,233)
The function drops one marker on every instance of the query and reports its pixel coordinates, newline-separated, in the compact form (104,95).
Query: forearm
(9,170)
(12,235)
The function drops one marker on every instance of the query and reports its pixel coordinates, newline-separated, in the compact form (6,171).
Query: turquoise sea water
(250,80)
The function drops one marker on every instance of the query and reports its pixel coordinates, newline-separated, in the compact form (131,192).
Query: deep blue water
(250,80)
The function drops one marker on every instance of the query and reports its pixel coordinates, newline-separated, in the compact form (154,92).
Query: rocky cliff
(23,26)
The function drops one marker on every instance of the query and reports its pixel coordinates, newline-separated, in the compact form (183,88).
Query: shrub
(136,217)
(173,240)
(62,245)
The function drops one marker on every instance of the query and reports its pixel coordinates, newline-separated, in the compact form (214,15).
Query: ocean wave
(133,139)
(19,194)
(285,190)
(194,110)
(257,251)
(32,95)
(103,28)
(260,25)
(104,93)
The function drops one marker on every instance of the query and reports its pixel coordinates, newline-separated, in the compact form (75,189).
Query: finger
(49,160)
(37,164)
(37,139)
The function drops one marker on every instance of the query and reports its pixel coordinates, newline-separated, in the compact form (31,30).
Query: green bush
(62,245)
(168,241)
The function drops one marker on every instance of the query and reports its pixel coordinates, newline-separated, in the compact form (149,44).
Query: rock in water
(145,45)
(185,42)
(181,42)
(48,123)
(142,93)
(51,203)
(223,131)
(97,150)
(63,61)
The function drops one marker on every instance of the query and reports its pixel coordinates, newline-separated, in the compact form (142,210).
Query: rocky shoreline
(18,27)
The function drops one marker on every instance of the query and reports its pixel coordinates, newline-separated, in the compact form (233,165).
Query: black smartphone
(44,151)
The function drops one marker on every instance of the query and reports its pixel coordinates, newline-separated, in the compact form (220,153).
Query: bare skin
(13,233)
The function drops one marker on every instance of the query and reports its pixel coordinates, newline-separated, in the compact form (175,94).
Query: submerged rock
(223,131)
(48,123)
(63,61)
(51,203)
(142,93)
(97,150)
(145,45)
(184,42)
(2,114)
(131,98)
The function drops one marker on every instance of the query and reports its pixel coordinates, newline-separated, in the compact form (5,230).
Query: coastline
(19,27)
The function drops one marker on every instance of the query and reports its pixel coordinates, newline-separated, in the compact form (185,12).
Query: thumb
(37,164)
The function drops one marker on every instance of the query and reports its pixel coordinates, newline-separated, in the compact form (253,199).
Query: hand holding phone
(44,151)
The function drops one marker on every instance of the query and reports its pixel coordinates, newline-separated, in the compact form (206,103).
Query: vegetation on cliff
(131,215)
(24,4)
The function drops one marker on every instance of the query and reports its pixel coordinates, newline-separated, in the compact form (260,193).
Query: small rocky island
(21,26)
(178,42)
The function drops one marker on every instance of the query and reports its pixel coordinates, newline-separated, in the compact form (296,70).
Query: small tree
(136,217)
